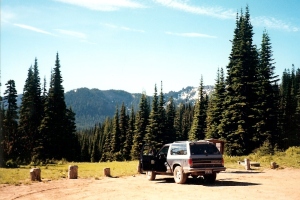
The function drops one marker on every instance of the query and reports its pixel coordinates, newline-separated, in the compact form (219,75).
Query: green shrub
(265,149)
(11,164)
(292,151)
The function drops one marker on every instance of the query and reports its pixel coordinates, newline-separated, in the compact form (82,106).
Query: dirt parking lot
(232,184)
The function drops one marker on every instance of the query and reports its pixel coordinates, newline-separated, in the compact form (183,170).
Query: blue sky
(132,45)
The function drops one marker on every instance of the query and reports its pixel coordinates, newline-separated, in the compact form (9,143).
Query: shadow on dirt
(243,172)
(200,181)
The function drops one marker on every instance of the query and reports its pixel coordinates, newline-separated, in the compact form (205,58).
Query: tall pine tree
(141,123)
(215,107)
(11,138)
(129,135)
(198,128)
(54,123)
(153,136)
(31,112)
(239,117)
(170,121)
(267,106)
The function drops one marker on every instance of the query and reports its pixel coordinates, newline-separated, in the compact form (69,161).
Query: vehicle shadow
(200,181)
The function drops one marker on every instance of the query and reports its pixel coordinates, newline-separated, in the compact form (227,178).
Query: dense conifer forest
(251,108)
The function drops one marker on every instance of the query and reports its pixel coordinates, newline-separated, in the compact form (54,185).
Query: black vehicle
(184,158)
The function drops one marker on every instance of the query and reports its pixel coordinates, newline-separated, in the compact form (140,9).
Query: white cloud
(124,28)
(191,35)
(6,15)
(31,28)
(72,33)
(104,5)
(131,29)
(273,23)
(217,12)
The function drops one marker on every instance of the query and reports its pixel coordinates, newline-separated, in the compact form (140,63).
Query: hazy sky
(132,45)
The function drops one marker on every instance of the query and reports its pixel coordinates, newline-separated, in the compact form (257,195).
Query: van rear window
(203,149)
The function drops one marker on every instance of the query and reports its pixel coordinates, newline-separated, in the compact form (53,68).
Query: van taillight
(190,162)
(223,162)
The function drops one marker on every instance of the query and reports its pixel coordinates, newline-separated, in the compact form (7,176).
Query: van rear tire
(179,176)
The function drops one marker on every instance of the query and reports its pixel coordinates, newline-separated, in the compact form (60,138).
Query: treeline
(248,110)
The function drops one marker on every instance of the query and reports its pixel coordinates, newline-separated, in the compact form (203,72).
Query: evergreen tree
(198,128)
(1,133)
(123,127)
(170,122)
(215,107)
(267,109)
(55,135)
(31,112)
(129,135)
(141,123)
(72,145)
(106,153)
(11,139)
(238,120)
(178,122)
(116,137)
(83,140)
(153,136)
(162,134)
(297,114)
(95,142)
(288,107)
(183,121)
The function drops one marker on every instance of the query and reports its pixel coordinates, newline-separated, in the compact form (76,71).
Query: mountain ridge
(93,106)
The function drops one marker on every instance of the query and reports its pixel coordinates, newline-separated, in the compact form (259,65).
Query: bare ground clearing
(232,184)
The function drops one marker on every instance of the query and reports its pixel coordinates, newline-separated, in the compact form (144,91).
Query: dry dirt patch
(232,184)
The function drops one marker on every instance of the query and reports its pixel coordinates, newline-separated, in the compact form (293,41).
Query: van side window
(178,149)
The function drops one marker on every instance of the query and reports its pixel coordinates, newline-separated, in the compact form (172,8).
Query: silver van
(182,159)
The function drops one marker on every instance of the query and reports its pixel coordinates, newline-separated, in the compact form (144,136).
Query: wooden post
(106,172)
(35,174)
(73,172)
(139,170)
(273,165)
(247,164)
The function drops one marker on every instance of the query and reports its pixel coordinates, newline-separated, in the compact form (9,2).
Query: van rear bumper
(206,170)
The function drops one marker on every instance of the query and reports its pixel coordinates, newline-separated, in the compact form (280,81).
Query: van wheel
(150,175)
(179,176)
(210,178)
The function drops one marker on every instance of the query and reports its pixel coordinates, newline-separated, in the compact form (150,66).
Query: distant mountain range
(92,106)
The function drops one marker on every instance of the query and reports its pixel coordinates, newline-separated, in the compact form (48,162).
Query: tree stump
(73,172)
(247,164)
(35,174)
(273,165)
(106,172)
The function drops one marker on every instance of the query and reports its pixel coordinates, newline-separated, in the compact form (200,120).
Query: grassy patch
(16,176)
(288,158)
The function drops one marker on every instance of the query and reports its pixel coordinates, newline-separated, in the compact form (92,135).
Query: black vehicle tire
(179,176)
(210,178)
(150,175)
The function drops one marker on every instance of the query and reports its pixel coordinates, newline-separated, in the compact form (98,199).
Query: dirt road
(232,184)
